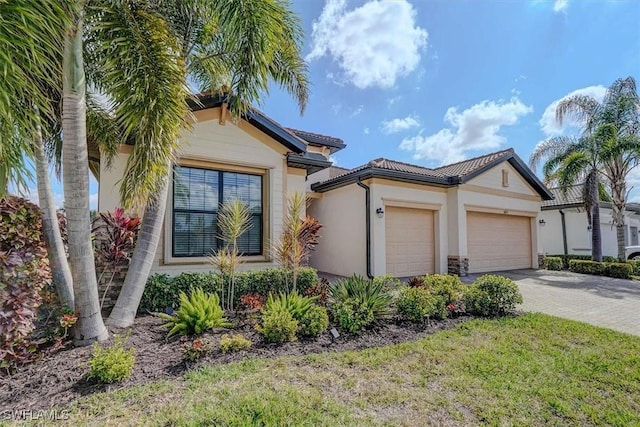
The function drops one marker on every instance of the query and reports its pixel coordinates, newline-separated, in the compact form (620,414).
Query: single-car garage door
(498,242)
(409,241)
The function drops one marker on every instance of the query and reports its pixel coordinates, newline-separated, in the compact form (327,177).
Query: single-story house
(384,217)
(564,228)
(388,217)
(252,158)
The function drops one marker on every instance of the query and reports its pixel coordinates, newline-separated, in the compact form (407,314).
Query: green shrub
(419,304)
(492,296)
(553,263)
(619,270)
(635,264)
(111,364)
(352,314)
(234,342)
(388,282)
(313,322)
(587,267)
(274,280)
(197,313)
(449,287)
(196,349)
(566,259)
(159,293)
(368,293)
(278,325)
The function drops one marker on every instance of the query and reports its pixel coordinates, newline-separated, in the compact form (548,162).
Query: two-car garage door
(409,238)
(498,242)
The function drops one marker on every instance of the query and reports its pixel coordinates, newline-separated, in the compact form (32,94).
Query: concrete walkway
(600,301)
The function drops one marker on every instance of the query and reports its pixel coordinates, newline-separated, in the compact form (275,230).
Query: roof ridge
(320,135)
(402,163)
(510,149)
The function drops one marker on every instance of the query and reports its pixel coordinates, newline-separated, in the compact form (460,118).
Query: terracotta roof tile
(466,167)
(572,196)
(312,137)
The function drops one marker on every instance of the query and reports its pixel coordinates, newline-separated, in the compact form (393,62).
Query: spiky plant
(198,312)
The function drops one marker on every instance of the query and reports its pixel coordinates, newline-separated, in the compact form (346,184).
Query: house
(564,229)
(388,217)
(252,158)
(384,217)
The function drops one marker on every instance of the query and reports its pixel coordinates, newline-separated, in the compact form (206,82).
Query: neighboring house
(564,229)
(388,217)
(253,158)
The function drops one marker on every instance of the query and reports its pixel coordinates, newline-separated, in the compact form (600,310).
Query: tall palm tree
(615,124)
(241,44)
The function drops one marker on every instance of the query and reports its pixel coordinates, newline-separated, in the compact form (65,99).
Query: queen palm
(242,45)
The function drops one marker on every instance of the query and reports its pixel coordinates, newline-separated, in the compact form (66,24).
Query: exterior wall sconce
(380,212)
(542,222)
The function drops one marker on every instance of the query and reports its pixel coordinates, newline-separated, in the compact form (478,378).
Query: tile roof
(306,135)
(572,196)
(467,167)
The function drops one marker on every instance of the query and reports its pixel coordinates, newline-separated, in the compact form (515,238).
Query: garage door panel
(498,242)
(409,242)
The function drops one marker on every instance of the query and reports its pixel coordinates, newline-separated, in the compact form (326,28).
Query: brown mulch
(60,378)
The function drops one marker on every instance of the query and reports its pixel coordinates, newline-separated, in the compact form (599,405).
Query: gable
(503,177)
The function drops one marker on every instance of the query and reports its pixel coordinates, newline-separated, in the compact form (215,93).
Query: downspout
(367,223)
(564,232)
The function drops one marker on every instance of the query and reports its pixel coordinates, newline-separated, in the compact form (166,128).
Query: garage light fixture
(379,212)
(542,222)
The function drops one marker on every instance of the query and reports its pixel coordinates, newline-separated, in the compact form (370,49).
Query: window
(197,197)
(634,236)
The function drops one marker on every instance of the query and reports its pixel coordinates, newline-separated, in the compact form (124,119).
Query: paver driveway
(601,301)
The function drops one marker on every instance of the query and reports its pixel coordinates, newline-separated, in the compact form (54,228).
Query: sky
(439,81)
(432,82)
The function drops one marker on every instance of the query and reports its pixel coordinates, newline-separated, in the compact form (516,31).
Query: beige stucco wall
(493,179)
(342,247)
(109,187)
(210,144)
(578,235)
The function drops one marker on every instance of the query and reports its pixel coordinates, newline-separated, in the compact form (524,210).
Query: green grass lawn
(530,370)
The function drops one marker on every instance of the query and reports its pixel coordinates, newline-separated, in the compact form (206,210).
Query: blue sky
(432,82)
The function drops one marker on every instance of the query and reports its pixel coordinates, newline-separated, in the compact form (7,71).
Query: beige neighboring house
(388,217)
(564,229)
(254,159)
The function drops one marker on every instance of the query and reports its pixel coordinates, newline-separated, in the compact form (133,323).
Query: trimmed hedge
(567,258)
(553,263)
(163,291)
(618,270)
(635,265)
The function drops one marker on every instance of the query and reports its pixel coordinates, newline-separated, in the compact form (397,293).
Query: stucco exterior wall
(342,247)
(109,188)
(493,179)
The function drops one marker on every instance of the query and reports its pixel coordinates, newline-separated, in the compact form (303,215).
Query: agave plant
(197,313)
(368,293)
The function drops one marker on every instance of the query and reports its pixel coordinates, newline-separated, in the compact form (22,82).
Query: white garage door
(498,242)
(409,241)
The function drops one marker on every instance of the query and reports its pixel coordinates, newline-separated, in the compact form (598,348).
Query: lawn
(528,370)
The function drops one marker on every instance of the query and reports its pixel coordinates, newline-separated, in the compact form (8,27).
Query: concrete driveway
(600,301)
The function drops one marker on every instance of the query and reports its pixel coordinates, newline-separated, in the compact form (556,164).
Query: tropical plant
(289,250)
(111,364)
(234,219)
(244,45)
(234,342)
(277,324)
(196,349)
(352,314)
(418,304)
(198,312)
(313,322)
(367,293)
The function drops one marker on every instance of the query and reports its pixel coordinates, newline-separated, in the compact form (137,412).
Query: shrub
(313,322)
(159,293)
(553,263)
(196,349)
(368,293)
(388,282)
(635,264)
(619,270)
(566,259)
(320,289)
(187,282)
(352,314)
(232,343)
(419,304)
(416,281)
(24,272)
(492,296)
(111,364)
(197,313)
(253,301)
(448,287)
(587,267)
(278,325)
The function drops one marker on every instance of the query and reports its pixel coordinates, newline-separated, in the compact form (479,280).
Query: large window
(198,195)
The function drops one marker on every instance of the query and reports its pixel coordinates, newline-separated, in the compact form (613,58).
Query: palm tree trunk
(60,271)
(596,233)
(75,172)
(618,193)
(124,312)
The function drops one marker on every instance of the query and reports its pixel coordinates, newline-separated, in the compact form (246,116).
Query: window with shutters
(198,195)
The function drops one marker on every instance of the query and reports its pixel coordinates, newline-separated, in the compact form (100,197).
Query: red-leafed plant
(416,282)
(253,301)
(24,272)
(320,289)
(115,236)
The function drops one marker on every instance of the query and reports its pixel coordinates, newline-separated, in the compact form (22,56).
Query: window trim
(264,173)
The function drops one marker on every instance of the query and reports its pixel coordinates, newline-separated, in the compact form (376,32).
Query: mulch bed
(60,378)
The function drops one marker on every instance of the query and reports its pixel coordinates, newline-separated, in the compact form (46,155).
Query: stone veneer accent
(458,265)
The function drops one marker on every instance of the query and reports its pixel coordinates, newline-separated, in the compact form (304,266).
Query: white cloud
(366,131)
(548,123)
(357,111)
(374,44)
(336,108)
(560,5)
(476,128)
(333,160)
(399,125)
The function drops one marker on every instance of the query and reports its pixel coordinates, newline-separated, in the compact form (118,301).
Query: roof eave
(310,165)
(373,172)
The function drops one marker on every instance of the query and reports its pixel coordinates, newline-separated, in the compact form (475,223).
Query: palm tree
(615,124)
(239,44)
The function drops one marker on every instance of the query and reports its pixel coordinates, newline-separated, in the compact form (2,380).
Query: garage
(409,240)
(498,242)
